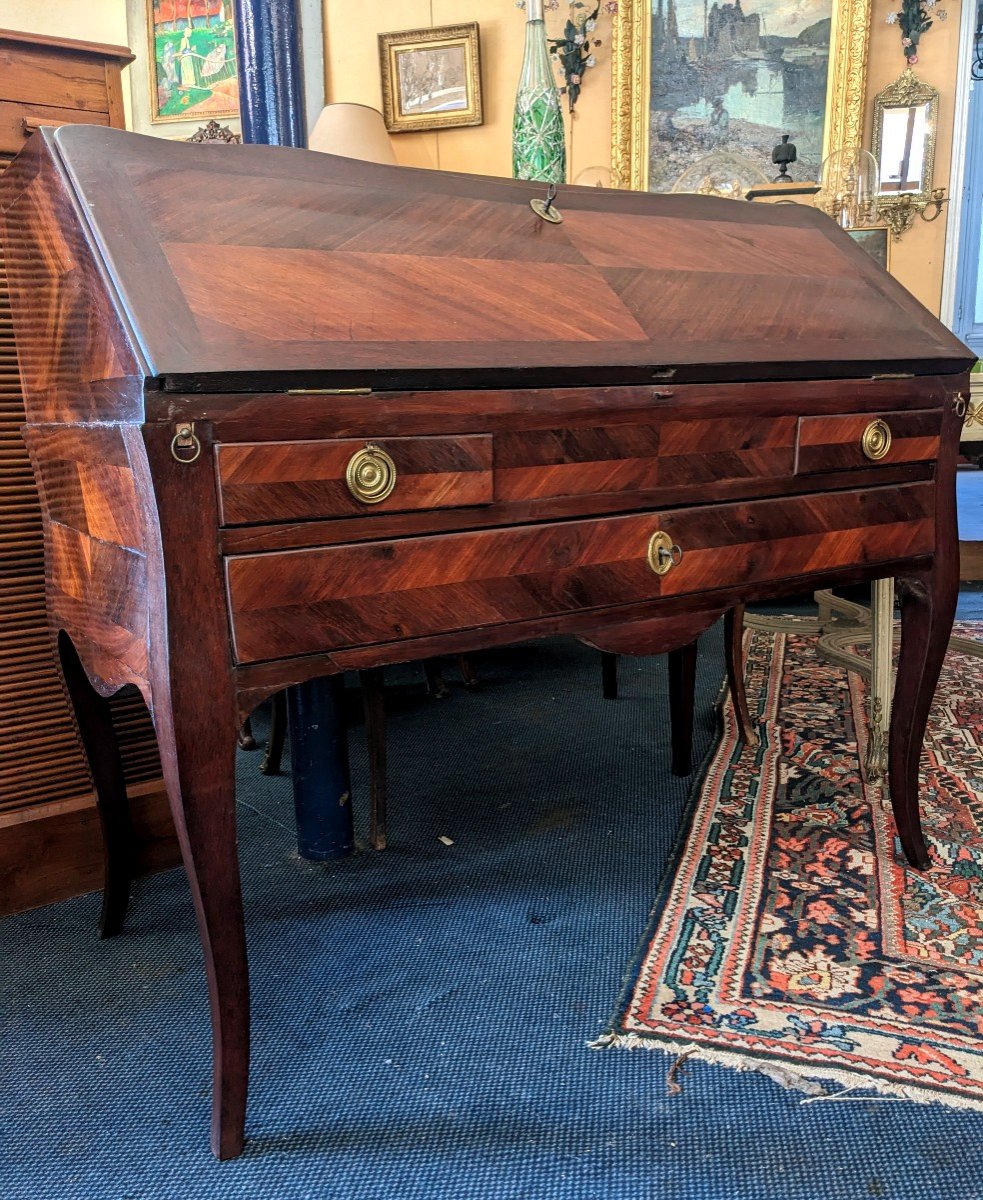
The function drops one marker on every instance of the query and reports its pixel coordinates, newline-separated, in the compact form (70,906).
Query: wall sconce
(976,70)
(899,212)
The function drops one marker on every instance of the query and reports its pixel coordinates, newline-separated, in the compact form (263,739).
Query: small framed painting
(431,78)
(192,56)
(876,242)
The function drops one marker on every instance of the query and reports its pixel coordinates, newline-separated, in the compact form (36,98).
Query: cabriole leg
(734,656)
(928,605)
(94,719)
(199,771)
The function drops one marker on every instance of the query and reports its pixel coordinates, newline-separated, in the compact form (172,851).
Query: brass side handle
(663,553)
(370,474)
(876,440)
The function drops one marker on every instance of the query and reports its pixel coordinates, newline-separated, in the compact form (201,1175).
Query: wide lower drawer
(325,598)
(300,481)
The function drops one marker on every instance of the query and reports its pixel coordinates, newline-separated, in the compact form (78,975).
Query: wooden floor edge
(51,852)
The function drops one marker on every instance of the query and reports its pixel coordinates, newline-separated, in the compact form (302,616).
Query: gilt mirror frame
(907,91)
(631,85)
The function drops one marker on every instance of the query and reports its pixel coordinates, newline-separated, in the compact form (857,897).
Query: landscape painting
(192,60)
(735,77)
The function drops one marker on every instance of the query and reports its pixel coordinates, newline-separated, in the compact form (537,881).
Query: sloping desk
(336,415)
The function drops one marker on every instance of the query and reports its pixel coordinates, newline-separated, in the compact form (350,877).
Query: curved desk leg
(734,655)
(193,702)
(94,719)
(928,605)
(199,770)
(682,692)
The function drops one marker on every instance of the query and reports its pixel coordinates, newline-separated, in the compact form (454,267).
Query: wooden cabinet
(49,840)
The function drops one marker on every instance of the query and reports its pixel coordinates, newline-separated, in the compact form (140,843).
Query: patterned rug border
(790,1073)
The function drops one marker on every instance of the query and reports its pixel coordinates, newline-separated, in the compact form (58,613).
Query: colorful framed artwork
(192,56)
(693,80)
(431,78)
(876,242)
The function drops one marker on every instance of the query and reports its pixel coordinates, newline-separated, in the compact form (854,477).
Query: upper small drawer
(302,481)
(837,443)
(18,121)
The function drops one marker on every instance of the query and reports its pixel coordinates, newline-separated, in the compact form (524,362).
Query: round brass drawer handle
(663,553)
(370,474)
(876,441)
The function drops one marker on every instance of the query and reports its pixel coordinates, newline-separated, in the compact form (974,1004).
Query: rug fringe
(806,1081)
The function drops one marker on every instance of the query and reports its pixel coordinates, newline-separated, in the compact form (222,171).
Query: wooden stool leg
(273,757)
(94,720)
(682,692)
(609,675)
(928,604)
(469,676)
(436,684)
(373,698)
(734,655)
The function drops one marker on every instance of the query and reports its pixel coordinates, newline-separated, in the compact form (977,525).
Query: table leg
(928,605)
(734,655)
(94,721)
(198,757)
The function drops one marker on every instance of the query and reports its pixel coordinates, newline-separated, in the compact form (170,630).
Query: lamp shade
(353,131)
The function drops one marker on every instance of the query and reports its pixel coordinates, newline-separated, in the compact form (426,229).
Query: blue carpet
(421,1016)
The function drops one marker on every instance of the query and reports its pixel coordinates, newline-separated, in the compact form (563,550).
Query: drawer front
(305,601)
(836,443)
(18,121)
(595,459)
(45,75)
(302,481)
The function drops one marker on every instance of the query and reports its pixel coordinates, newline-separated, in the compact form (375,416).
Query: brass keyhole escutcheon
(663,553)
(876,441)
(370,475)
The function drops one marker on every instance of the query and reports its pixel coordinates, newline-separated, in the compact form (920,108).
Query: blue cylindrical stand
(271,82)
(319,768)
(271,101)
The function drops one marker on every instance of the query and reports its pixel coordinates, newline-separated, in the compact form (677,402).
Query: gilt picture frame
(431,78)
(704,60)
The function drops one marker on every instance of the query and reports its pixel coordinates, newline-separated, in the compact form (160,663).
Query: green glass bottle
(539,147)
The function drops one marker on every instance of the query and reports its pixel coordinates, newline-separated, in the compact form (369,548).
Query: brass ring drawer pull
(370,474)
(663,553)
(876,441)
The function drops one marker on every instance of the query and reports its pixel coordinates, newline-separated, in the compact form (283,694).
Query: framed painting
(431,78)
(695,80)
(874,239)
(192,57)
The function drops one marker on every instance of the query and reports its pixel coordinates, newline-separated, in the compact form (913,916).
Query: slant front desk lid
(245,267)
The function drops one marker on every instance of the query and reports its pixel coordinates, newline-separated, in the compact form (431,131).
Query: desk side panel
(78,361)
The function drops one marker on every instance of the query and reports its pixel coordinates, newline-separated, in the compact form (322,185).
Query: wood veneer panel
(391,277)
(300,602)
(582,460)
(41,763)
(284,481)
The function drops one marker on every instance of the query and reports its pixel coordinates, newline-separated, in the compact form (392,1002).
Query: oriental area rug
(788,937)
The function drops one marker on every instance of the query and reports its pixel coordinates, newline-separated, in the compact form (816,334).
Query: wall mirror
(905,121)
